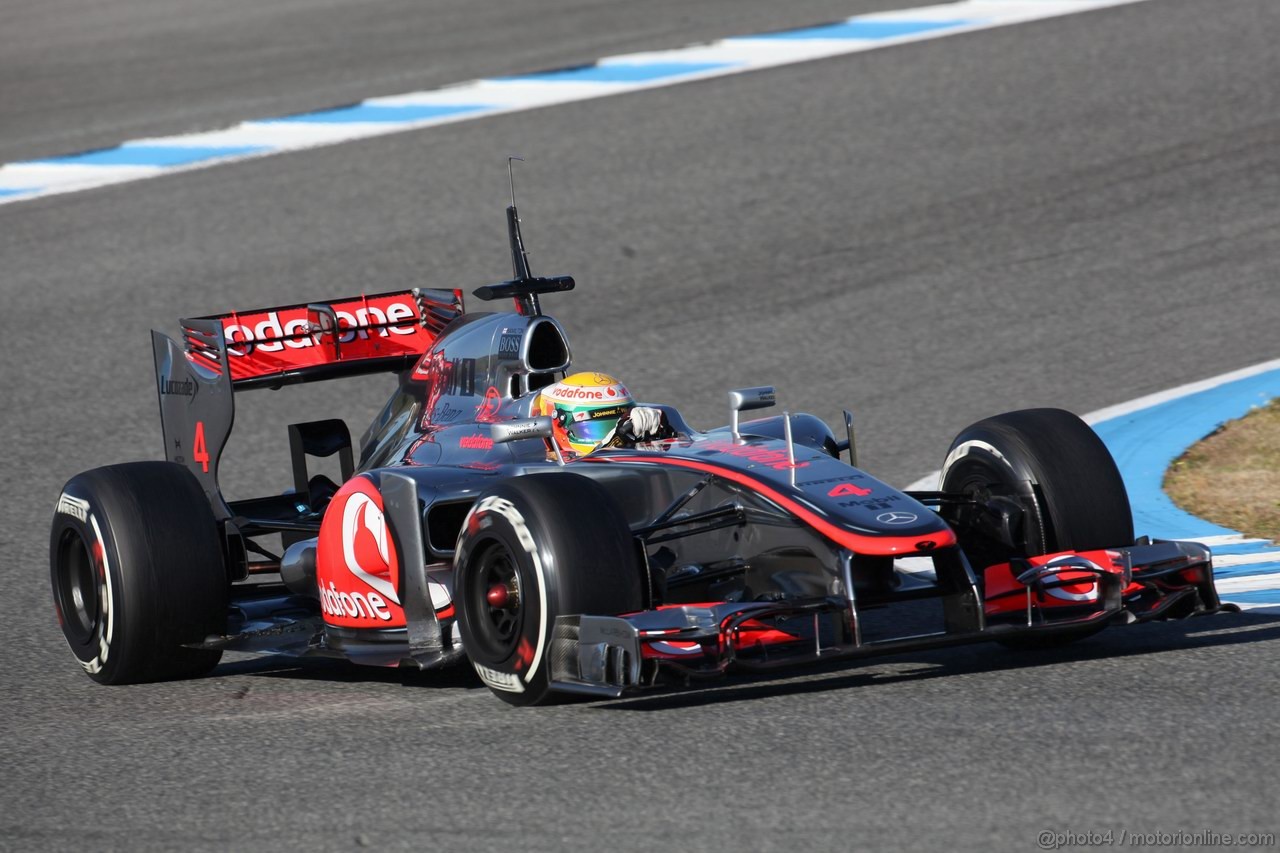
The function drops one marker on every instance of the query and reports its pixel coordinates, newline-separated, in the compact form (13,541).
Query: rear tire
(558,545)
(137,572)
(1070,491)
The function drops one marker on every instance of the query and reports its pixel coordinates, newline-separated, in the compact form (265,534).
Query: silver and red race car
(459,533)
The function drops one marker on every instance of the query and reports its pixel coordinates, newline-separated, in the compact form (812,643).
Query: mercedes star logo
(896,517)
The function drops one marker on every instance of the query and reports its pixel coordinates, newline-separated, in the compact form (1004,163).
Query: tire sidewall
(500,520)
(573,553)
(977,451)
(79,522)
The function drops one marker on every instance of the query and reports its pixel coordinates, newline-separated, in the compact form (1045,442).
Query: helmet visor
(591,432)
(592,426)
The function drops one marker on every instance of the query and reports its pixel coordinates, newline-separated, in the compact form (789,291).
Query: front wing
(1057,596)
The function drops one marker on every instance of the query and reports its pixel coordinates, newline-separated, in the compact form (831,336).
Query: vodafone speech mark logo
(1085,587)
(357,567)
(365,543)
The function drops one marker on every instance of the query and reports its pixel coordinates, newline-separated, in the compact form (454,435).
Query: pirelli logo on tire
(74,507)
(499,680)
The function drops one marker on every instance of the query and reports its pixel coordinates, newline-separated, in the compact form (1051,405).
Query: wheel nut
(497,595)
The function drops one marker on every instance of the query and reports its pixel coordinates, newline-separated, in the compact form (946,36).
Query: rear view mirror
(746,399)
(516,430)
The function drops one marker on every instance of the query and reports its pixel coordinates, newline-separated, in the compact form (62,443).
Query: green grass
(1232,477)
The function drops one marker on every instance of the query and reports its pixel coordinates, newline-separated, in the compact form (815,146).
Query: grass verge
(1232,477)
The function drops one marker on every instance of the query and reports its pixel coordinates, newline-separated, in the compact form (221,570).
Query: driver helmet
(585,409)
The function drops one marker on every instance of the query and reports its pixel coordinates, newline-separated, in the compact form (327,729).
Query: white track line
(614,75)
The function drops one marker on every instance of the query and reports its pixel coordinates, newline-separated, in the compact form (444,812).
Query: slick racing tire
(137,572)
(1077,501)
(531,549)
(1054,465)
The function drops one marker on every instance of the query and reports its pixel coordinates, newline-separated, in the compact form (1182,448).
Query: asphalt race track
(1073,212)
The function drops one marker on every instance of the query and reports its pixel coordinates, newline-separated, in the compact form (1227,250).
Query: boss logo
(509,346)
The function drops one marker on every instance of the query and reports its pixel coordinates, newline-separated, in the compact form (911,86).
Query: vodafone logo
(573,394)
(1085,590)
(775,459)
(274,332)
(365,543)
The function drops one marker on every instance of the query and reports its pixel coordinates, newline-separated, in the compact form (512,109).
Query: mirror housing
(505,431)
(746,399)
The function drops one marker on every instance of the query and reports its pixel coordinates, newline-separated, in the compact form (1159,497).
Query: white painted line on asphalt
(1181,391)
(1231,560)
(1233,539)
(614,75)
(1250,607)
(1248,583)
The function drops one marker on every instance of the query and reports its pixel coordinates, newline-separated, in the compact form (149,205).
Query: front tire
(137,572)
(531,549)
(1076,500)
(1054,466)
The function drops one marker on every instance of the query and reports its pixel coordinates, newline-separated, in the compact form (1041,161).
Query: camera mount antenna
(523,287)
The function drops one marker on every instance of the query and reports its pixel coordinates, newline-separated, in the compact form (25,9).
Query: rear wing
(270,347)
(321,340)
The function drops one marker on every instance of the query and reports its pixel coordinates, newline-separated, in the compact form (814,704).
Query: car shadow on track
(1224,629)
(457,676)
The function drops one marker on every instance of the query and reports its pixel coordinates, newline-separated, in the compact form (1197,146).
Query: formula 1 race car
(459,532)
